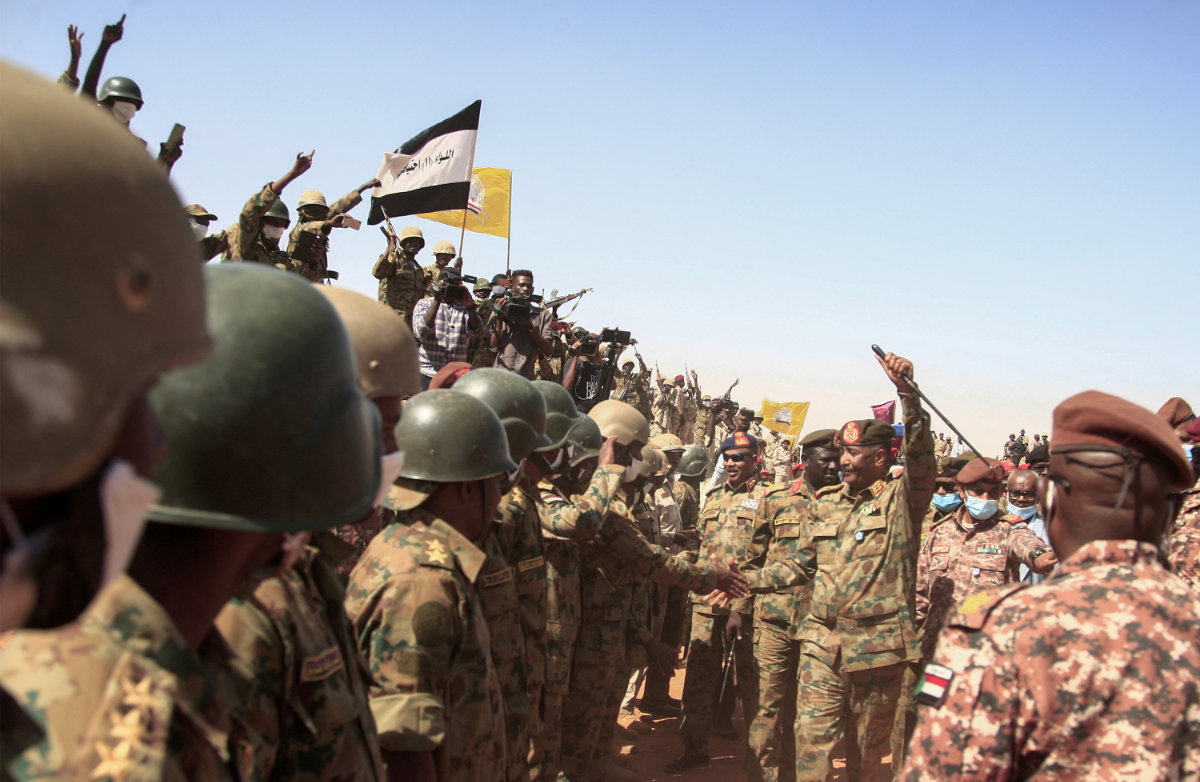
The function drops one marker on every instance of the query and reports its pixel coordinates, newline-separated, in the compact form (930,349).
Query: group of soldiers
(240,542)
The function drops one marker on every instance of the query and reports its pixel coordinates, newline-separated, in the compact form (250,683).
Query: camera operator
(582,376)
(519,331)
(443,324)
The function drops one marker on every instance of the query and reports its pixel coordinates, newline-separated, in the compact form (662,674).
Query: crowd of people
(260,528)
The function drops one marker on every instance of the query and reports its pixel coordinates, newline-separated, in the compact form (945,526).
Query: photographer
(443,324)
(520,332)
(583,376)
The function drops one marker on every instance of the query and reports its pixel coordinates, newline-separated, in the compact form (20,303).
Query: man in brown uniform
(1182,541)
(1094,674)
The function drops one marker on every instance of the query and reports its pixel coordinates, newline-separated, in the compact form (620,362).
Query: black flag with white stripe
(431,172)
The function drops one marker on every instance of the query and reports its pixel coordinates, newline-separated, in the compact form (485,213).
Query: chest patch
(750,503)
(321,666)
(931,689)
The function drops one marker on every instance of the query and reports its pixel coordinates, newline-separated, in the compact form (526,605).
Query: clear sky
(1006,192)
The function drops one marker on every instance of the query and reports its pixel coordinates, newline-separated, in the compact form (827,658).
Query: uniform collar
(747,486)
(1110,552)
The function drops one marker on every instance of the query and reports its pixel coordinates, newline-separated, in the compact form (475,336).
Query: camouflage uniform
(782,523)
(963,555)
(565,521)
(401,282)
(687,414)
(859,639)
(299,675)
(1090,675)
(610,564)
(213,245)
(664,406)
(120,693)
(432,273)
(244,240)
(1182,544)
(778,458)
(482,354)
(417,618)
(700,428)
(725,529)
(316,268)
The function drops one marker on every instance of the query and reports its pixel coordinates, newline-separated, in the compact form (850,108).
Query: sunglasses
(736,457)
(945,486)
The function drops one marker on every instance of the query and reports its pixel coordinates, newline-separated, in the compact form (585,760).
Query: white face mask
(200,229)
(1024,513)
(123,111)
(125,498)
(631,472)
(557,464)
(273,231)
(390,466)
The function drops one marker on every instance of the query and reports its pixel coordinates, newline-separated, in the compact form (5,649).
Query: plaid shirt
(447,340)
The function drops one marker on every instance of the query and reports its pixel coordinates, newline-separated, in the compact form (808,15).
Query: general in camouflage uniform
(859,639)
(966,553)
(401,280)
(1094,673)
(302,693)
(725,529)
(782,523)
(308,243)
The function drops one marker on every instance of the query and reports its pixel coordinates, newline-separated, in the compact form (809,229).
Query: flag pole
(508,233)
(462,235)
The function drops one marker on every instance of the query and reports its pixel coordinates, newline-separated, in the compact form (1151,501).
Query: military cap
(1176,411)
(1041,453)
(679,380)
(195,210)
(981,470)
(1193,431)
(446,376)
(482,285)
(739,440)
(866,431)
(1109,422)
(821,438)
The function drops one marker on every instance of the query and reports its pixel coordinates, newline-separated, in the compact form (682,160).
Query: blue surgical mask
(1024,513)
(947,501)
(982,509)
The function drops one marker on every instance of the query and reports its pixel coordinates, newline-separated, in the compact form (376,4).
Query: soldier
(414,603)
(76,431)
(664,405)
(610,565)
(859,639)
(144,696)
(946,499)
(443,253)
(1093,674)
(972,549)
(782,522)
(518,539)
(308,244)
(385,354)
(264,218)
(725,528)
(704,413)
(210,246)
(1181,545)
(778,457)
(1038,460)
(689,401)
(401,281)
(633,387)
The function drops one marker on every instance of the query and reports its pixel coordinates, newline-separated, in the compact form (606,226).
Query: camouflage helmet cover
(311,198)
(443,248)
(622,421)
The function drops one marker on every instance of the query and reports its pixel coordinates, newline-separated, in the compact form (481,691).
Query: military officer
(308,244)
(1093,673)
(401,280)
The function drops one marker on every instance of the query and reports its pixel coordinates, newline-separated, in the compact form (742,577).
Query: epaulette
(779,488)
(974,609)
(939,522)
(828,490)
(877,488)
(433,550)
(1012,518)
(710,491)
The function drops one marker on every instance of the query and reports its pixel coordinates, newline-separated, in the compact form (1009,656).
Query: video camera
(519,306)
(451,278)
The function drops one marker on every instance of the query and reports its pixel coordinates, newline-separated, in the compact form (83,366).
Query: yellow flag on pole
(487,205)
(784,417)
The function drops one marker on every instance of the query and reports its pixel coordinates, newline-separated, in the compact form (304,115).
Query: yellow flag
(487,205)
(784,417)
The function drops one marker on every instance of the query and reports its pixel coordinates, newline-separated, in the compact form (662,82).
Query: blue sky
(1007,193)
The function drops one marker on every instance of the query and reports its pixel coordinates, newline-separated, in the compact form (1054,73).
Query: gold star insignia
(437,552)
(114,761)
(138,696)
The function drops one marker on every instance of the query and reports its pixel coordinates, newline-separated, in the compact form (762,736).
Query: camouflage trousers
(596,690)
(544,756)
(706,657)
(772,735)
(906,715)
(861,705)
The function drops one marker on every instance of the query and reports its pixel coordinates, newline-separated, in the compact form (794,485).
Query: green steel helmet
(120,87)
(561,413)
(584,440)
(384,349)
(312,198)
(516,401)
(448,436)
(279,209)
(653,462)
(271,434)
(622,421)
(70,365)
(694,462)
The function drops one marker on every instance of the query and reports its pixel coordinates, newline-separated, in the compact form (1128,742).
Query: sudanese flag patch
(931,689)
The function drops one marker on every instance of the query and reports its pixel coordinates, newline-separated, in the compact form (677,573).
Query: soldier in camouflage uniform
(633,387)
(443,253)
(972,549)
(781,524)
(859,639)
(689,402)
(1181,545)
(308,244)
(210,246)
(264,218)
(1093,673)
(145,668)
(664,404)
(946,499)
(518,537)
(401,281)
(725,529)
(74,434)
(610,564)
(414,602)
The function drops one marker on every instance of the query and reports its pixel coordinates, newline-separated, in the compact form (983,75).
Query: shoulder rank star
(436,551)
(931,689)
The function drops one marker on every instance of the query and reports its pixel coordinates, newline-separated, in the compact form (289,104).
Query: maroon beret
(1193,431)
(448,374)
(1097,418)
(1176,411)
(981,470)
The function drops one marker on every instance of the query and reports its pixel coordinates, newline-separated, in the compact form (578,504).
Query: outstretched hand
(731,581)
(75,39)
